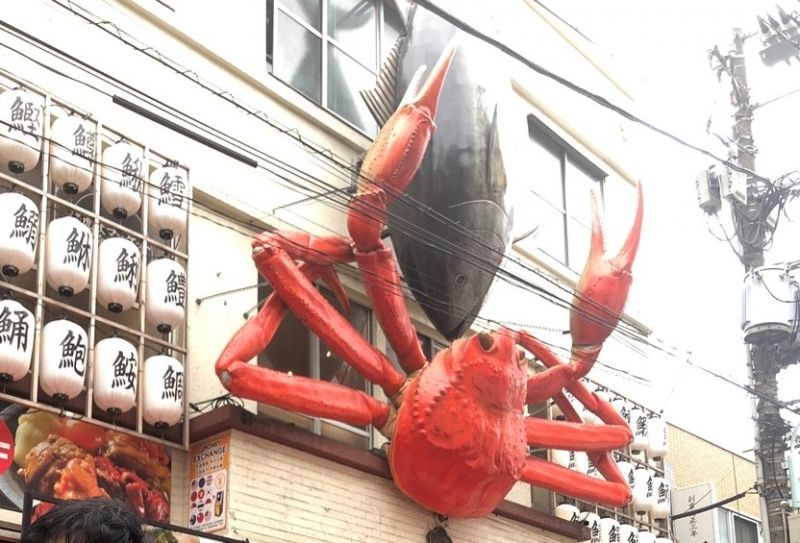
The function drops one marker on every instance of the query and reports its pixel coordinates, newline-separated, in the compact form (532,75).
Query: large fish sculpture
(451,228)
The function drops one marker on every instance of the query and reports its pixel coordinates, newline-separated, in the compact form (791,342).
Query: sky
(658,50)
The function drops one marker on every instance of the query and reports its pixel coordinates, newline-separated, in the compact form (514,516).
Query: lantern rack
(32,288)
(660,528)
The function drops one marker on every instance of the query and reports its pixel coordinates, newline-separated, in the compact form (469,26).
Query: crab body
(458,434)
(463,414)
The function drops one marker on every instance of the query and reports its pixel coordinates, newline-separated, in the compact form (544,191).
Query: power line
(422,235)
(596,98)
(288,132)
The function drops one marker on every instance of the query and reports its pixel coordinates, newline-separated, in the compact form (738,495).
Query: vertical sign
(699,528)
(208,484)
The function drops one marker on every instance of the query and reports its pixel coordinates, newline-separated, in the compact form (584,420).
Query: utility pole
(771,429)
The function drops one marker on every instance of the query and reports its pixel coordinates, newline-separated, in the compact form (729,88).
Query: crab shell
(459,441)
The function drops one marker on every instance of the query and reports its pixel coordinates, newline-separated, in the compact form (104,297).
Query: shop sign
(208,484)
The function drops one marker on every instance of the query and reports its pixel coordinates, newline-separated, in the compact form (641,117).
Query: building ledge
(235,418)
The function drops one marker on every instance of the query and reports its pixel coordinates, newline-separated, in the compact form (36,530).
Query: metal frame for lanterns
(624,515)
(175,342)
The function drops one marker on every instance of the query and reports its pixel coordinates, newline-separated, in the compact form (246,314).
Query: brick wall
(279,494)
(693,460)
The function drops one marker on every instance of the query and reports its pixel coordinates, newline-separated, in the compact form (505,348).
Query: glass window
(351,24)
(329,50)
(295,349)
(559,196)
(345,78)
(301,64)
(308,11)
(745,531)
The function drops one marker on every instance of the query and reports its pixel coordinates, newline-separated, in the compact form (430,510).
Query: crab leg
(572,436)
(388,168)
(308,396)
(613,491)
(305,301)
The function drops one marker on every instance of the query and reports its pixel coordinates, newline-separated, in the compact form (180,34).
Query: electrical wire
(326,153)
(452,247)
(155,54)
(596,98)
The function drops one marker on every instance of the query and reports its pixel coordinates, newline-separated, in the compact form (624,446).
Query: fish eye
(460,279)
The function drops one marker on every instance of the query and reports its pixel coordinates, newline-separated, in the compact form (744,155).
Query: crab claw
(603,287)
(398,149)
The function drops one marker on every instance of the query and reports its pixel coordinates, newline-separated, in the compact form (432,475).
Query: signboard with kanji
(699,528)
(208,484)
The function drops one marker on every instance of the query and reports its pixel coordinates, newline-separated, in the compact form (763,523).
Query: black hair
(87,521)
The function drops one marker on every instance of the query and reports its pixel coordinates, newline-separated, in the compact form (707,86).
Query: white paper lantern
(118,274)
(16,340)
(163,391)
(581,462)
(121,184)
(62,369)
(568,512)
(642,490)
(116,366)
(19,232)
(656,437)
(626,468)
(604,395)
(591,469)
(647,537)
(609,530)
(628,534)
(168,205)
(69,255)
(72,153)
(622,407)
(166,294)
(21,114)
(591,521)
(661,501)
(639,428)
(663,540)
(564,458)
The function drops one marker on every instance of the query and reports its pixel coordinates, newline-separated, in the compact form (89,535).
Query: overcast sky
(659,50)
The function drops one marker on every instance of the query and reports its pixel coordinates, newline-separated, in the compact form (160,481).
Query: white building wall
(283,495)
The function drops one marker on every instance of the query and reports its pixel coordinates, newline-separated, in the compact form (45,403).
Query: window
(734,528)
(296,349)
(430,348)
(558,196)
(329,50)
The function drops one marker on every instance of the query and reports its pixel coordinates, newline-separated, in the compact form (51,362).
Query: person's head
(87,521)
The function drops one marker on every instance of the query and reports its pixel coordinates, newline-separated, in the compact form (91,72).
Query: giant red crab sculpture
(458,435)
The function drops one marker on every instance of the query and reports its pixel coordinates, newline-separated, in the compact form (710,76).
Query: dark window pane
(334,369)
(309,11)
(345,78)
(289,349)
(352,24)
(298,58)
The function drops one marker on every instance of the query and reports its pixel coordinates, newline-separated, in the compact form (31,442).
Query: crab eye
(486,341)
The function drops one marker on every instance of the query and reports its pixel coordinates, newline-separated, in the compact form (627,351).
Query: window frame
(726,519)
(314,367)
(539,133)
(326,40)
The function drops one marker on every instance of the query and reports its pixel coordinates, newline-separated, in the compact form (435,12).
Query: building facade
(257,103)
